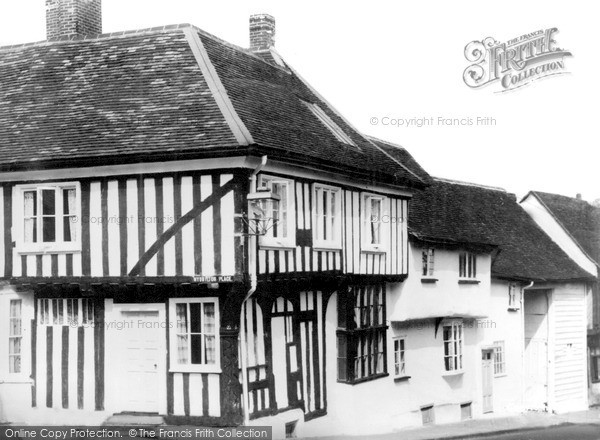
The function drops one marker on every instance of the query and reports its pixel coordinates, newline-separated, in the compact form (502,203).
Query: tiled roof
(144,95)
(403,157)
(467,213)
(578,217)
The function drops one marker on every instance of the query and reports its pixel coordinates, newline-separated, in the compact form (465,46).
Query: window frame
(351,333)
(268,240)
(467,270)
(18,336)
(400,360)
(595,364)
(366,214)
(318,242)
(455,340)
(23,247)
(174,365)
(514,303)
(428,262)
(499,358)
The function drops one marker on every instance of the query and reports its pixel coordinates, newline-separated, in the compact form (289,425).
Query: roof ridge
(102,36)
(476,185)
(134,32)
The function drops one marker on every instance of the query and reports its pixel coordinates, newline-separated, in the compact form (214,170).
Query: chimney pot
(65,18)
(262,32)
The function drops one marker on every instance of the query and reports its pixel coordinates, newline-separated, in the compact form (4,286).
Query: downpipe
(252,249)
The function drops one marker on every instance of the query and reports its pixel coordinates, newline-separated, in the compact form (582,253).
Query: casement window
(595,364)
(361,335)
(453,345)
(514,297)
(467,265)
(327,217)
(49,216)
(194,338)
(15,336)
(74,312)
(400,357)
(499,359)
(283,231)
(428,261)
(335,129)
(375,218)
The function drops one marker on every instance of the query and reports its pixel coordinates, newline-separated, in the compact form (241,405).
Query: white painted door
(487,380)
(536,373)
(141,361)
(536,350)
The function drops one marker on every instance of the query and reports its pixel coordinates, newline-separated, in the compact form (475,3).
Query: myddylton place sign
(515,63)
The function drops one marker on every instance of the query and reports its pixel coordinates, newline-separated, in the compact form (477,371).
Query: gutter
(252,246)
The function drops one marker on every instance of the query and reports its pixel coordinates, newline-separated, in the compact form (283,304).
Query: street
(565,432)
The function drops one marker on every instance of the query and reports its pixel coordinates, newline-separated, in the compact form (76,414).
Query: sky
(380,61)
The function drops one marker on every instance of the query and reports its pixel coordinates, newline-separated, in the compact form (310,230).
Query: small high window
(428,260)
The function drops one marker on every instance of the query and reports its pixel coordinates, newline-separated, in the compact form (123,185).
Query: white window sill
(42,250)
(16,379)
(373,250)
(195,369)
(429,279)
(453,373)
(468,281)
(500,375)
(326,247)
(401,378)
(269,242)
(277,247)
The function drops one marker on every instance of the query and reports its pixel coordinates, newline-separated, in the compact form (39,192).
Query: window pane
(182,349)
(181,312)
(209,318)
(69,201)
(49,229)
(14,346)
(14,364)
(30,213)
(48,202)
(30,203)
(196,349)
(195,318)
(210,353)
(68,229)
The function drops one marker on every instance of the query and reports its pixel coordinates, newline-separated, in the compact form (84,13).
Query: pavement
(484,427)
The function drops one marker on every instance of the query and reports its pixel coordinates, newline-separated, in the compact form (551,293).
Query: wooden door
(487,380)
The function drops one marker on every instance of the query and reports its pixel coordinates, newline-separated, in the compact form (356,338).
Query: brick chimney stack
(262,32)
(73,18)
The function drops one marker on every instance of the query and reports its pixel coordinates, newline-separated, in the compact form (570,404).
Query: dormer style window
(282,234)
(428,261)
(327,217)
(50,218)
(335,129)
(467,265)
(375,218)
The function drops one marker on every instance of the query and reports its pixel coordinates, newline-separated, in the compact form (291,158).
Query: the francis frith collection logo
(514,63)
